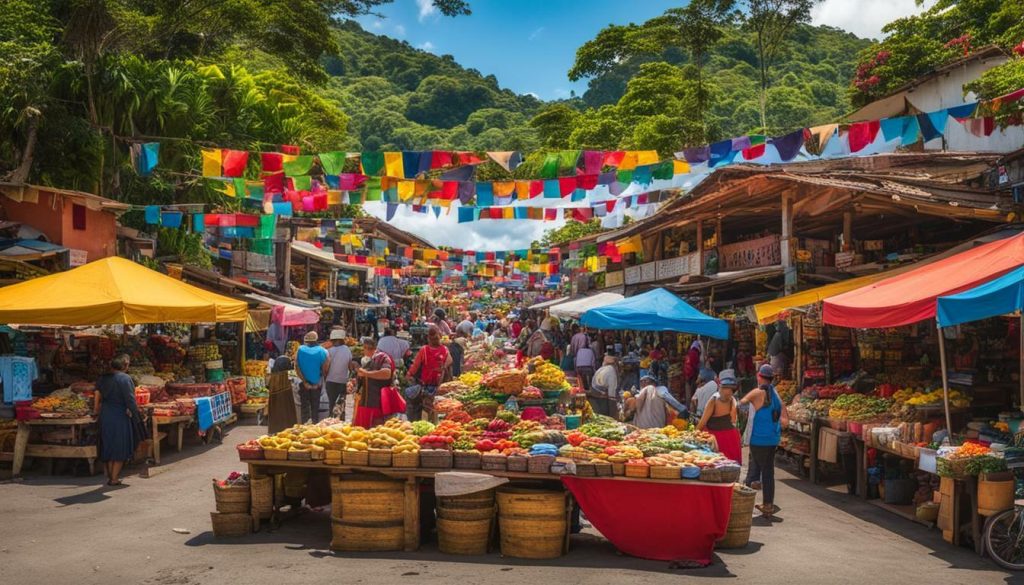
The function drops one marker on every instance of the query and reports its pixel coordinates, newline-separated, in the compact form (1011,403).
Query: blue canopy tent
(656,310)
(1001,296)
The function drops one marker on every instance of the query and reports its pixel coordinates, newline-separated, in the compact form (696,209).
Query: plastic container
(926,459)
(572,421)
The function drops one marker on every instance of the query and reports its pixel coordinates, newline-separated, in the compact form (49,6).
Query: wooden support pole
(700,244)
(847,231)
(309,277)
(786,243)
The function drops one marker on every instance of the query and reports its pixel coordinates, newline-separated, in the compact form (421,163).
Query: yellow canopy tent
(768,310)
(114,291)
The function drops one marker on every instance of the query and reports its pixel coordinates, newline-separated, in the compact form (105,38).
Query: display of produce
(858,407)
(63,403)
(914,397)
(547,376)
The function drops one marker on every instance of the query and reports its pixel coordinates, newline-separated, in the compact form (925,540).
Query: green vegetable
(422,428)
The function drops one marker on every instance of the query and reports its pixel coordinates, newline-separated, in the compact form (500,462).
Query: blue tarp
(996,297)
(656,310)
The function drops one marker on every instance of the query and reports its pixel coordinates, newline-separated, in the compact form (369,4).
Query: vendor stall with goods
(114,291)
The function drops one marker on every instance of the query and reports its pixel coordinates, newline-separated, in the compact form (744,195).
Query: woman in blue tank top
(770,417)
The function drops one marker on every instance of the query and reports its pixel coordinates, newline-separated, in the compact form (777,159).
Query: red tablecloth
(659,521)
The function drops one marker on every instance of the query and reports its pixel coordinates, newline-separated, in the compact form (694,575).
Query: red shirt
(429,364)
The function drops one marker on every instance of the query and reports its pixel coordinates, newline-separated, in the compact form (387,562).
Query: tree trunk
(764,84)
(20,174)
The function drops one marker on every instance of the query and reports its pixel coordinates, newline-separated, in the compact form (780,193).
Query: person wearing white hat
(339,365)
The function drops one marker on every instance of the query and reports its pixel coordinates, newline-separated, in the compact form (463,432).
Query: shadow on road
(311,532)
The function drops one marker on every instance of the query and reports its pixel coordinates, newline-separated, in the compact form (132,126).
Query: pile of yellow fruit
(256,400)
(255,368)
(395,435)
(548,376)
(471,379)
(624,453)
(912,397)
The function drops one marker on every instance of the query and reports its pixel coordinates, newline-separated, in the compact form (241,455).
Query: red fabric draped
(667,522)
(862,134)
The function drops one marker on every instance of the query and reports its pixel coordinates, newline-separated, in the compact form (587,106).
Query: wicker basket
(519,463)
(249,453)
(729,473)
(486,410)
(585,469)
(493,462)
(406,459)
(379,457)
(261,489)
(540,463)
(466,460)
(275,454)
(711,474)
(603,468)
(618,469)
(231,499)
(300,455)
(436,458)
(665,472)
(317,454)
(357,458)
(227,525)
(332,457)
(633,470)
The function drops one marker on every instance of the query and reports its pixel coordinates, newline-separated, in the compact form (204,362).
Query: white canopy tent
(573,309)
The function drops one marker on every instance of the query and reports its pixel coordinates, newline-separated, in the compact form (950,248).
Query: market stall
(576,307)
(113,291)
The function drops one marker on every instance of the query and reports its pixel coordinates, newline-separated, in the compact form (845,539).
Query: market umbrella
(576,307)
(114,291)
(1000,296)
(655,310)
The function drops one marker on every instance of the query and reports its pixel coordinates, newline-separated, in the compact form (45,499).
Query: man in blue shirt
(311,364)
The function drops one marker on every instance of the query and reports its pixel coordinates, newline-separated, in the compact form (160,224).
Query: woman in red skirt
(719,418)
(373,378)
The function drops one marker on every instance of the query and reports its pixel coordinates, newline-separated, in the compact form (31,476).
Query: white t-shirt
(584,357)
(704,394)
(339,357)
(393,346)
(607,377)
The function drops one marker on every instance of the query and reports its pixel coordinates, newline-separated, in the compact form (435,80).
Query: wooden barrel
(994,495)
(533,523)
(464,523)
(367,513)
(738,533)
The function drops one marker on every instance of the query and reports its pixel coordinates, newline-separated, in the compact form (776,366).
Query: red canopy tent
(911,296)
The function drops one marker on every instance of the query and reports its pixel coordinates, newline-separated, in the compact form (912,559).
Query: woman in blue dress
(117,411)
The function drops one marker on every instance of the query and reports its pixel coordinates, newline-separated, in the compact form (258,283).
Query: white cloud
(865,18)
(533,93)
(399,30)
(560,92)
(536,33)
(426,9)
(484,236)
(377,24)
(427,46)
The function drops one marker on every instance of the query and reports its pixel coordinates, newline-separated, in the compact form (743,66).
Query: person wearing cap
(767,422)
(719,418)
(706,388)
(339,365)
(311,365)
(652,402)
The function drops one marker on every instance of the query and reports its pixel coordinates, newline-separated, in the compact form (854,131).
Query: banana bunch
(384,437)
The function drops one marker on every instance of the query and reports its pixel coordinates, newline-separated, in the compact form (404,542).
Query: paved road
(65,529)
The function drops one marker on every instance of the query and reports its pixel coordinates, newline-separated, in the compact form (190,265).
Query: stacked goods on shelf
(64,403)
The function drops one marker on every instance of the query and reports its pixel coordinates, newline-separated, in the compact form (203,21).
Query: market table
(22,447)
(679,519)
(180,422)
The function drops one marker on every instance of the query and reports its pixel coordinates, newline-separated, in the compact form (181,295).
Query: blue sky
(529,45)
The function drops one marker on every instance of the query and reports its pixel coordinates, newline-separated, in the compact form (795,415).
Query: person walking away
(311,365)
(706,388)
(280,400)
(372,378)
(604,388)
(467,325)
(719,418)
(430,367)
(579,339)
(691,367)
(393,345)
(457,349)
(117,412)
(652,402)
(339,366)
(441,321)
(585,362)
(770,417)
